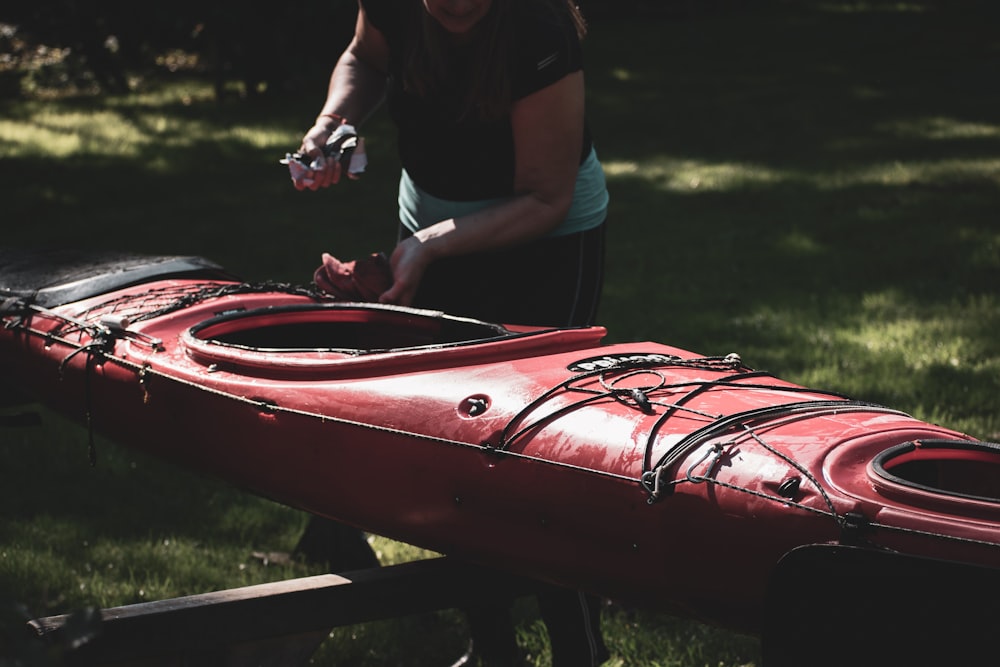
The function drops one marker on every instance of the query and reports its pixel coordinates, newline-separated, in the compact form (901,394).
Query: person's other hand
(409,261)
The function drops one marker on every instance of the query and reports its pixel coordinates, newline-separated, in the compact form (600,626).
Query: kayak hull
(637,471)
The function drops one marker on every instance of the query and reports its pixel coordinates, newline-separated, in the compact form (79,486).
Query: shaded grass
(812,185)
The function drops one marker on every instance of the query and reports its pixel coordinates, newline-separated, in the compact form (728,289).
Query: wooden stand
(280,623)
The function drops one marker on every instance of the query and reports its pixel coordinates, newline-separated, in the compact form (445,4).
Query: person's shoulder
(551,19)
(383,14)
(547,38)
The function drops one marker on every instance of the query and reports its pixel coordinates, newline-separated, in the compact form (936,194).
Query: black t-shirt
(463,158)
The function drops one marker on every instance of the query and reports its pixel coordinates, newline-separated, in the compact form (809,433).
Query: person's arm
(357,87)
(548,131)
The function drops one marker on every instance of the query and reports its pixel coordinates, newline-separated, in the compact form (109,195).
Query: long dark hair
(427,68)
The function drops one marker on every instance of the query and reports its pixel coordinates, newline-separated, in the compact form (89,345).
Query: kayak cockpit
(350,329)
(344,337)
(938,468)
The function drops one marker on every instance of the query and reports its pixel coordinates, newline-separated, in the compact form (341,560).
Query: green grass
(812,185)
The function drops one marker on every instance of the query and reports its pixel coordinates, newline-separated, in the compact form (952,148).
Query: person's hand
(322,173)
(409,261)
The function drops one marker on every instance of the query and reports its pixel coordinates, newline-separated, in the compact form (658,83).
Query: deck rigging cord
(100,349)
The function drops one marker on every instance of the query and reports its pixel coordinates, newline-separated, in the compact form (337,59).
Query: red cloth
(362,279)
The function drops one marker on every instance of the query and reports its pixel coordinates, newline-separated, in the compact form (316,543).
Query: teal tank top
(418,209)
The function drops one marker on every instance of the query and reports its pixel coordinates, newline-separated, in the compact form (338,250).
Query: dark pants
(572,619)
(554,281)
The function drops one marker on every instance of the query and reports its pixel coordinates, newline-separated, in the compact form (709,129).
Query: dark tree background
(279,44)
(273,48)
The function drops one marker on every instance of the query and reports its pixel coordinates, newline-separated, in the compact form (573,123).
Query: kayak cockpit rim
(347,328)
(939,471)
(317,338)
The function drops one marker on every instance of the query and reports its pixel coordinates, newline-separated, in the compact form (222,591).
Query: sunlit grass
(934,361)
(940,128)
(691,176)
(52,132)
(862,7)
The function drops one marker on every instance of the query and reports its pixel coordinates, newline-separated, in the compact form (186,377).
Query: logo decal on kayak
(620,360)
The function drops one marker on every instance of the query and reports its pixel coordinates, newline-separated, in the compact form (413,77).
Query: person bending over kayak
(502,198)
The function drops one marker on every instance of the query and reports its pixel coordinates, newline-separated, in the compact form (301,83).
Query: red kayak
(637,471)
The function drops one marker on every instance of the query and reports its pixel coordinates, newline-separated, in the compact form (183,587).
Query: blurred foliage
(101,47)
(271,49)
